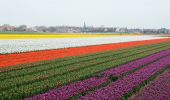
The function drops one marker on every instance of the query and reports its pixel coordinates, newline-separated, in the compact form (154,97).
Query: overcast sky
(123,13)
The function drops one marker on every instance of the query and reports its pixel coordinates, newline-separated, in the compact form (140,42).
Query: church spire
(84,28)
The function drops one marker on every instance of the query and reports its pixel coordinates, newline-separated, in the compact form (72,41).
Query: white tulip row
(25,45)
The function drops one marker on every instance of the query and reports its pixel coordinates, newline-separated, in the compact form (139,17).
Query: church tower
(84,28)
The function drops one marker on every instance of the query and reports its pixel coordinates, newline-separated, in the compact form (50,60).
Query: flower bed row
(17,90)
(30,57)
(37,76)
(72,63)
(122,86)
(135,64)
(57,69)
(159,89)
(26,45)
(68,91)
(43,66)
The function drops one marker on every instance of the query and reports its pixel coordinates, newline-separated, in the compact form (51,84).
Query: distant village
(83,29)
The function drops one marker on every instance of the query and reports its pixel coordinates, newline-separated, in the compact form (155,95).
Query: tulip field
(132,68)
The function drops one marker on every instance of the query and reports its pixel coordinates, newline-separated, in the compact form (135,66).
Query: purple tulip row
(68,91)
(157,90)
(135,64)
(117,89)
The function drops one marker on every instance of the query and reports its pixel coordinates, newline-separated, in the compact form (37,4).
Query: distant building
(1,28)
(121,30)
(85,30)
(7,27)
